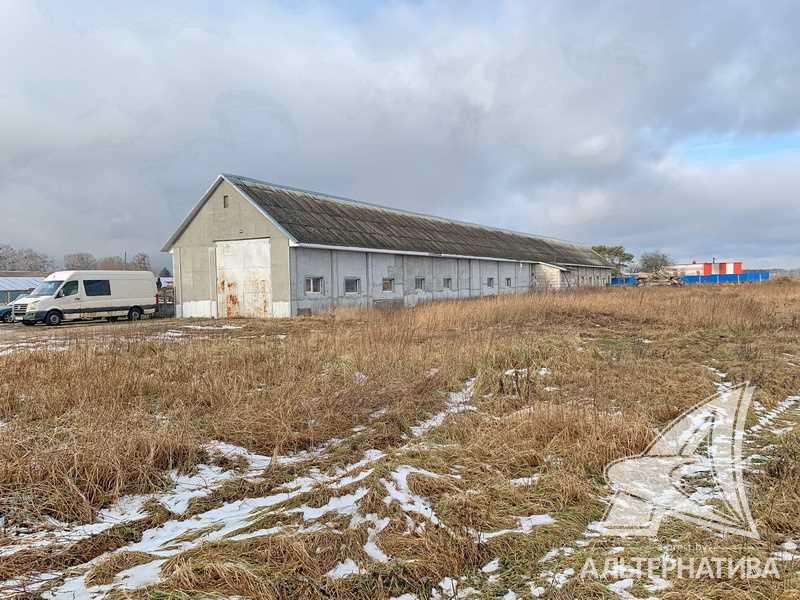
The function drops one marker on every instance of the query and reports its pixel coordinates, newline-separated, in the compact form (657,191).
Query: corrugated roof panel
(318,219)
(18,284)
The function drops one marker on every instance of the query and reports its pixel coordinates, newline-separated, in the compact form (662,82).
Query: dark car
(6,315)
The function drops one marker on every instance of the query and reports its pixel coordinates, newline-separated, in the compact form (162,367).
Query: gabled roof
(311,218)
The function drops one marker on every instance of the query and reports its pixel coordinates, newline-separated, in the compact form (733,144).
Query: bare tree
(140,262)
(24,259)
(111,263)
(80,261)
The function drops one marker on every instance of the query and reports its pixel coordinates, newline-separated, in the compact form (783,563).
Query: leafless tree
(80,261)
(140,262)
(24,259)
(111,263)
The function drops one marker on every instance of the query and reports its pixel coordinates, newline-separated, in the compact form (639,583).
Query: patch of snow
(621,587)
(345,569)
(556,552)
(526,525)
(658,584)
(457,402)
(399,491)
(371,547)
(212,327)
(783,430)
(769,417)
(787,552)
(558,580)
(525,481)
(491,566)
(343,505)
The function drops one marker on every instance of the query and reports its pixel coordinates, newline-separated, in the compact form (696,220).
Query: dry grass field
(452,450)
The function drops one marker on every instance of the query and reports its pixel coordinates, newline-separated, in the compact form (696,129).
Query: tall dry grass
(111,416)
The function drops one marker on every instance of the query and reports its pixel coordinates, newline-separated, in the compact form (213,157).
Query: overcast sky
(667,126)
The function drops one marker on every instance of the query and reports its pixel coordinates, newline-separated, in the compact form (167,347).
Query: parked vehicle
(6,315)
(7,310)
(77,295)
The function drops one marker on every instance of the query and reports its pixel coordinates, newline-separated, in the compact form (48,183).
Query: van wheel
(53,318)
(134,314)
(9,318)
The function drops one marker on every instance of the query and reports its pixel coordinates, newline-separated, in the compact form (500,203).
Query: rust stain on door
(243,278)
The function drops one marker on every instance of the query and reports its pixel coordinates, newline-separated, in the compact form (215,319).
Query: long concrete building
(255,249)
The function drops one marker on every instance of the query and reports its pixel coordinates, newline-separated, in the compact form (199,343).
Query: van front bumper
(34,317)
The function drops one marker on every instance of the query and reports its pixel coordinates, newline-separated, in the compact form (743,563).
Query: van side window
(70,288)
(97,287)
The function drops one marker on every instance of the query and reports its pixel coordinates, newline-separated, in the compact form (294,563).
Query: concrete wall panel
(220,219)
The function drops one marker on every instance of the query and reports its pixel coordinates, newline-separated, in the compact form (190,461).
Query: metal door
(244,287)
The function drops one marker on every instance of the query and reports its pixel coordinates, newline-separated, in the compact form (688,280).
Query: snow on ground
(345,569)
(768,418)
(550,579)
(184,488)
(525,525)
(235,520)
(49,344)
(525,481)
(212,327)
(457,402)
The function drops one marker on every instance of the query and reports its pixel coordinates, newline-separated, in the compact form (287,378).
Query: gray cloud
(553,117)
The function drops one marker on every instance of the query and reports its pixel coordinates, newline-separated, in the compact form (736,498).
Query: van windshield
(46,288)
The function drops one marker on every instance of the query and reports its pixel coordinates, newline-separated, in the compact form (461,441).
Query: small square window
(388,284)
(313,285)
(490,282)
(352,285)
(508,281)
(225,201)
(447,283)
(419,283)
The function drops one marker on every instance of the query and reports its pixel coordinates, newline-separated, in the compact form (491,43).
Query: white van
(75,295)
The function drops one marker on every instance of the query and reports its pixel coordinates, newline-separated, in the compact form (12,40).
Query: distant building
(713,267)
(256,249)
(17,283)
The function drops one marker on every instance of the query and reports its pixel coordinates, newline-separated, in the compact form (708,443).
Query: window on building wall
(419,283)
(508,281)
(352,285)
(313,285)
(225,201)
(388,284)
(447,283)
(490,282)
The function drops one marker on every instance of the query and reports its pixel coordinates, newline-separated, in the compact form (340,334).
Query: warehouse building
(256,249)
